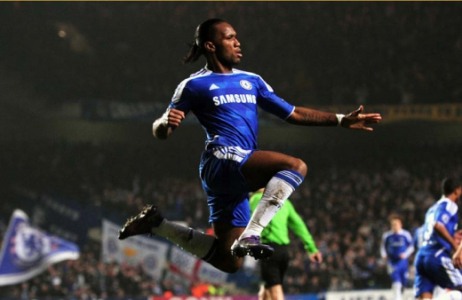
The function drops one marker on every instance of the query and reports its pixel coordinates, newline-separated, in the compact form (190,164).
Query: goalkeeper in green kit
(276,234)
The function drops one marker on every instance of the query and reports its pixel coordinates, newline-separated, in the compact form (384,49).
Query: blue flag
(28,251)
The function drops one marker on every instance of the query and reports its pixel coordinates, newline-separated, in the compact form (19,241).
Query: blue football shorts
(435,269)
(399,271)
(226,187)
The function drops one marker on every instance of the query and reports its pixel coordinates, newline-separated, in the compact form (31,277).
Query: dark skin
(223,52)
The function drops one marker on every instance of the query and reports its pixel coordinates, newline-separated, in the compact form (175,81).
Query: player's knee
(299,166)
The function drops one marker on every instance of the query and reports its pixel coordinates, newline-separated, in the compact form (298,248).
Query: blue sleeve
(410,244)
(272,103)
(182,98)
(442,215)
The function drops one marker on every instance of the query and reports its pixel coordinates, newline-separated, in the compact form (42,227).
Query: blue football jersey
(445,212)
(395,244)
(226,105)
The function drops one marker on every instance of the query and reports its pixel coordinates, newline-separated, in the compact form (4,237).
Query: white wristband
(164,118)
(339,119)
(162,121)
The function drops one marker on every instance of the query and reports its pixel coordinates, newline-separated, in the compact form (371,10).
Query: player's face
(227,47)
(396,225)
(458,192)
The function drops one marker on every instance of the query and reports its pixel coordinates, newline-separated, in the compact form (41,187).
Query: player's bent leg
(281,175)
(215,250)
(151,221)
(261,166)
(222,258)
(277,190)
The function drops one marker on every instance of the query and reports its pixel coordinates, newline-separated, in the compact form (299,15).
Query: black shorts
(274,268)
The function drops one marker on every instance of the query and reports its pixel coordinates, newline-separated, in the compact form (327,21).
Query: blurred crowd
(89,278)
(310,52)
(86,278)
(344,202)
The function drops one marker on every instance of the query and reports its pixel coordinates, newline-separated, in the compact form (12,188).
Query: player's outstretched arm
(164,126)
(354,120)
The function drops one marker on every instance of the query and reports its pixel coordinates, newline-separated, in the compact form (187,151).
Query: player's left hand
(316,257)
(357,120)
(457,260)
(175,117)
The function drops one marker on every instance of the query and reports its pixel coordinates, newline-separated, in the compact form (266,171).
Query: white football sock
(397,287)
(451,295)
(276,192)
(191,240)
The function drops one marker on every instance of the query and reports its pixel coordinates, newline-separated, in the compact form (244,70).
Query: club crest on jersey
(246,84)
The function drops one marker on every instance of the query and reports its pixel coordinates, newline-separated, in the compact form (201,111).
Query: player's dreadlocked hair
(203,33)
